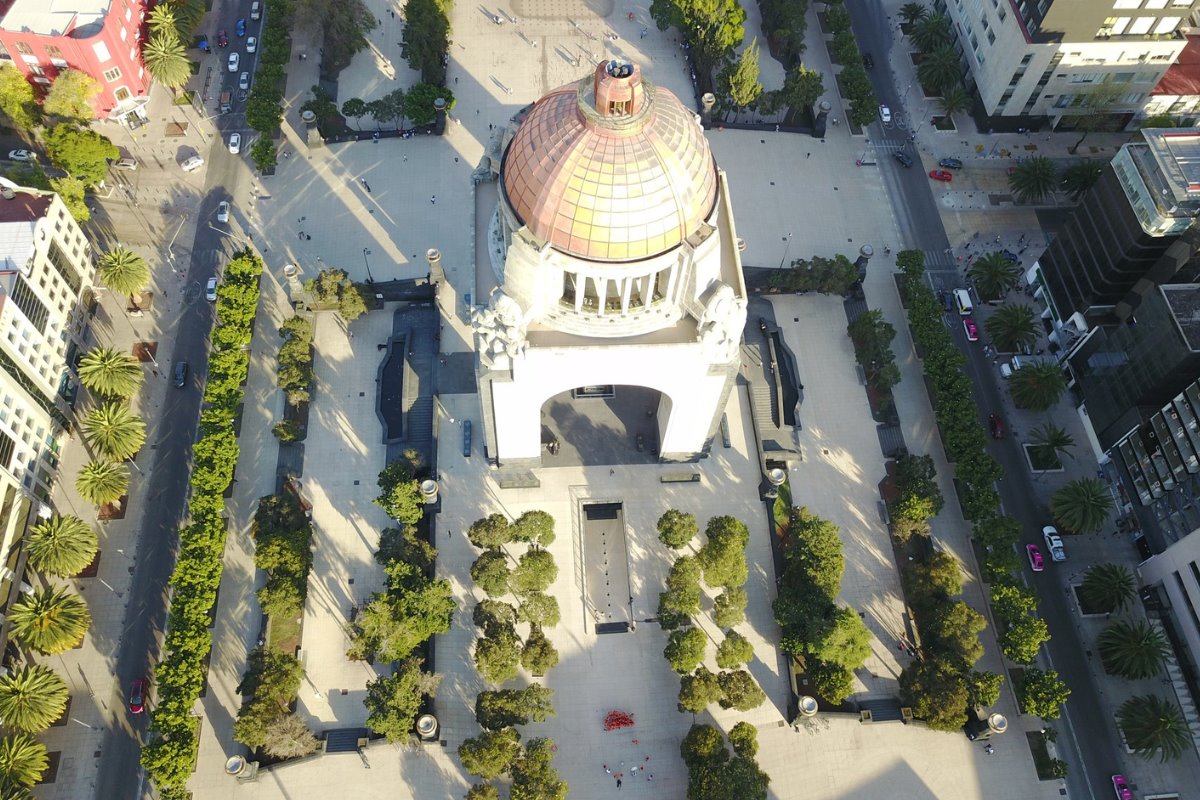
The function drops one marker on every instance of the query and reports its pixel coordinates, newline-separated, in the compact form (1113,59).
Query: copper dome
(610,168)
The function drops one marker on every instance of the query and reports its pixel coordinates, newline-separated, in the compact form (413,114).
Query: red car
(222,39)
(970,329)
(941,175)
(1036,562)
(1121,786)
(996,426)
(137,696)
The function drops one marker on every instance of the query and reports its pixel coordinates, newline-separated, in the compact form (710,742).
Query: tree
(419,102)
(712,28)
(405,545)
(1107,587)
(994,275)
(482,791)
(936,691)
(166,60)
(729,609)
(744,738)
(23,761)
(71,96)
(400,494)
(491,615)
(1154,725)
(954,99)
(681,599)
(1132,650)
(162,20)
(833,682)
(734,651)
(388,108)
(490,754)
(32,698)
(802,88)
(912,12)
(539,609)
(497,656)
(394,701)
(334,287)
(110,373)
(538,655)
(491,532)
(1012,326)
(534,527)
(739,77)
(1033,179)
(17,100)
(815,549)
(61,545)
(355,108)
(288,736)
(533,775)
(1051,442)
(123,271)
(394,624)
(1037,386)
(1082,506)
(426,38)
(953,630)
(114,430)
(676,529)
(1081,176)
(723,556)
(535,572)
(685,649)
(1098,115)
(509,707)
(490,573)
(50,621)
(930,32)
(102,482)
(264,154)
(940,68)
(1023,638)
(702,743)
(738,690)
(698,691)
(1042,693)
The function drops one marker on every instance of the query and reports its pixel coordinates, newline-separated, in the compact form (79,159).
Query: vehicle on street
(244,81)
(971,330)
(222,39)
(126,163)
(192,164)
(256,10)
(885,114)
(240,28)
(235,143)
(210,290)
(947,301)
(234,61)
(223,211)
(180,374)
(950,163)
(1121,787)
(962,298)
(996,426)
(1036,562)
(904,158)
(1054,543)
(137,696)
(251,44)
(868,62)
(226,101)
(21,155)
(1006,370)
(941,175)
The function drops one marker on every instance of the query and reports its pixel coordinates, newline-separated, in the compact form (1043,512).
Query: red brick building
(99,37)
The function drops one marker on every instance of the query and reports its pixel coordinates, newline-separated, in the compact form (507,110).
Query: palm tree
(166,60)
(930,32)
(23,761)
(123,270)
(32,699)
(161,21)
(115,430)
(940,69)
(954,99)
(102,482)
(1033,179)
(1154,724)
(1012,325)
(1132,650)
(1051,442)
(110,373)
(1082,506)
(993,275)
(1080,177)
(1107,587)
(61,546)
(1037,386)
(50,621)
(911,12)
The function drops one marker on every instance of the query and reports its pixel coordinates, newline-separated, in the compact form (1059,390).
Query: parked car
(1121,787)
(996,426)
(222,39)
(244,80)
(210,290)
(137,696)
(950,163)
(21,155)
(234,61)
(126,163)
(192,164)
(947,301)
(1036,562)
(971,330)
(885,114)
(251,44)
(235,143)
(1054,543)
(223,211)
(240,28)
(180,374)
(941,175)
(256,10)
(1006,370)
(868,62)
(904,158)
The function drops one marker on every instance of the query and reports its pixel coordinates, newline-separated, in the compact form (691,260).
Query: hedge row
(264,108)
(855,84)
(170,756)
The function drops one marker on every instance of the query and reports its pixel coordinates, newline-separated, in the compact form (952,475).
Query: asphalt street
(1091,746)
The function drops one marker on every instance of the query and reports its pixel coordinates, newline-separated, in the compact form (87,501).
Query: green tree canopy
(1012,326)
(109,372)
(676,528)
(71,96)
(738,690)
(1042,693)
(1037,386)
(535,572)
(936,691)
(539,609)
(1132,650)
(50,621)
(123,271)
(685,649)
(1081,176)
(83,153)
(394,701)
(17,100)
(497,656)
(355,108)
(1107,587)
(1033,179)
(534,776)
(101,482)
(739,77)
(491,532)
(698,691)
(490,754)
(729,609)
(32,698)
(426,38)
(802,87)
(1082,505)
(491,573)
(61,545)
(166,60)
(419,102)
(114,430)
(495,710)
(1153,725)
(723,556)
(712,27)
(994,275)
(23,761)
(534,527)
(681,599)
(940,68)
(538,656)
(400,493)
(734,651)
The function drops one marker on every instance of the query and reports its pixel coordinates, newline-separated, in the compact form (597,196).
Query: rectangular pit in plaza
(605,571)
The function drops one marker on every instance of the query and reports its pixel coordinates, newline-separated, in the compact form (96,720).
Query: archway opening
(603,425)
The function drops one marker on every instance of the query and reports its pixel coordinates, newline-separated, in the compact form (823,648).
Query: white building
(616,264)
(1043,58)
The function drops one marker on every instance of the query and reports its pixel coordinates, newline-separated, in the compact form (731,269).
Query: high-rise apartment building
(1051,60)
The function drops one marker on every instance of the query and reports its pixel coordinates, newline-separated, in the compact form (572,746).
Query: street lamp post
(785,250)
(367,252)
(171,246)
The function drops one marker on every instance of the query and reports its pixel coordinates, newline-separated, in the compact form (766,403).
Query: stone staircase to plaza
(1179,684)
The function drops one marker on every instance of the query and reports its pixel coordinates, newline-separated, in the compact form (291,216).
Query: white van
(962,299)
(255,10)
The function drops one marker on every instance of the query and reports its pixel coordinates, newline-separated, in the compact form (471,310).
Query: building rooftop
(1184,301)
(1183,76)
(54,17)
(1177,153)
(18,220)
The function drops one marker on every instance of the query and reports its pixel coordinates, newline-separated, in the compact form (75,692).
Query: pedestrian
(807,156)
(301,235)
(433,199)
(650,777)
(612,472)
(606,769)
(647,758)
(455,80)
(618,783)
(405,158)
(307,237)
(632,770)
(635,741)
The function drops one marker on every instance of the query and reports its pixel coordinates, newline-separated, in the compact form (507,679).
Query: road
(120,775)
(1093,755)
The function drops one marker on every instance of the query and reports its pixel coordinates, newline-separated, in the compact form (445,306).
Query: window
(128,14)
(1121,77)
(1141,25)
(1127,4)
(34,69)
(64,267)
(101,51)
(991,37)
(1002,14)
(1156,3)
(112,74)
(43,81)
(30,305)
(23,48)
(56,56)
(4,52)
(124,34)
(122,94)
(1167,24)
